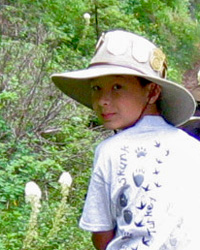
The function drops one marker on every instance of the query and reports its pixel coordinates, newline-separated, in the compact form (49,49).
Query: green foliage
(194,7)
(169,24)
(24,165)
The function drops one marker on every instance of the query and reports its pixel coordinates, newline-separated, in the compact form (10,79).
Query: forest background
(43,132)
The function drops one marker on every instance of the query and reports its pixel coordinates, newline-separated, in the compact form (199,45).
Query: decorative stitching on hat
(115,64)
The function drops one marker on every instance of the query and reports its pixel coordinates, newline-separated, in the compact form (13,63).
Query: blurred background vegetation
(43,132)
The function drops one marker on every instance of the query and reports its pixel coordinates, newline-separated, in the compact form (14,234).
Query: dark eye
(95,88)
(117,86)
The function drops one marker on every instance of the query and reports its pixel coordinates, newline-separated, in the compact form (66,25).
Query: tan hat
(120,52)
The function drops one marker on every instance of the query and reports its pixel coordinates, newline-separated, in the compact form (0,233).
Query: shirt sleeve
(97,214)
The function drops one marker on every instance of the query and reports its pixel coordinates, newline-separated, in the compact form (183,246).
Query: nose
(104,98)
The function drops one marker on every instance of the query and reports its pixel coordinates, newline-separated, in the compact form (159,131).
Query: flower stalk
(86,17)
(65,181)
(33,196)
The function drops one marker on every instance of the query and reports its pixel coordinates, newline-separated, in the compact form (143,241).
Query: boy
(144,191)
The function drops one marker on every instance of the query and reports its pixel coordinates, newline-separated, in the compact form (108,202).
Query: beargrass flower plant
(86,16)
(65,181)
(32,195)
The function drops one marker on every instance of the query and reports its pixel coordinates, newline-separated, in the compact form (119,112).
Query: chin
(110,126)
(113,126)
(117,126)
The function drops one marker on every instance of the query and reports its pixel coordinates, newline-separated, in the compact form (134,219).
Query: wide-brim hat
(120,52)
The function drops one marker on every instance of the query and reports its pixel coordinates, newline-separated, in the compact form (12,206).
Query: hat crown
(132,51)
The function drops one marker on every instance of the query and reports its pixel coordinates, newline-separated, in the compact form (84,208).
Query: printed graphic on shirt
(137,196)
(176,239)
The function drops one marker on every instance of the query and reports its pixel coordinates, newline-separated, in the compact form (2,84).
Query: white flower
(65,179)
(32,189)
(86,16)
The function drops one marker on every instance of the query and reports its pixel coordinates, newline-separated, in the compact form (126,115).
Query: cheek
(133,105)
(95,107)
(142,97)
(93,100)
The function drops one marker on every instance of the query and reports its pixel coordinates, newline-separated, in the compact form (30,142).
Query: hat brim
(177,104)
(192,127)
(193,122)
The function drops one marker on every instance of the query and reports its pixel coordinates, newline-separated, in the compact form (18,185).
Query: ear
(154,92)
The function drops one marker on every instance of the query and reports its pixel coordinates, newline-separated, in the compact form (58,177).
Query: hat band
(115,64)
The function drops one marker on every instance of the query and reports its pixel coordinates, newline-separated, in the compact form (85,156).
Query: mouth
(107,116)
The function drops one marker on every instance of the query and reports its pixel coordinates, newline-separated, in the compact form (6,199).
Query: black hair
(144,82)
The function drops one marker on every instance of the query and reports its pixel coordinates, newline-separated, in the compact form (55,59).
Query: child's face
(118,100)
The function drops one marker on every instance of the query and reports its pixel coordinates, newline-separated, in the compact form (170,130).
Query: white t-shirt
(146,184)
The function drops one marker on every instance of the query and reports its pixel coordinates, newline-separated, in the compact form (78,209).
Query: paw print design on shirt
(177,239)
(156,171)
(142,205)
(137,199)
(150,161)
(128,216)
(138,177)
(123,211)
(162,153)
(122,202)
(140,152)
(143,156)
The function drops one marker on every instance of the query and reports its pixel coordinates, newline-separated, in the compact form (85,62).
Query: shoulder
(108,145)
(136,134)
(143,134)
(187,141)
